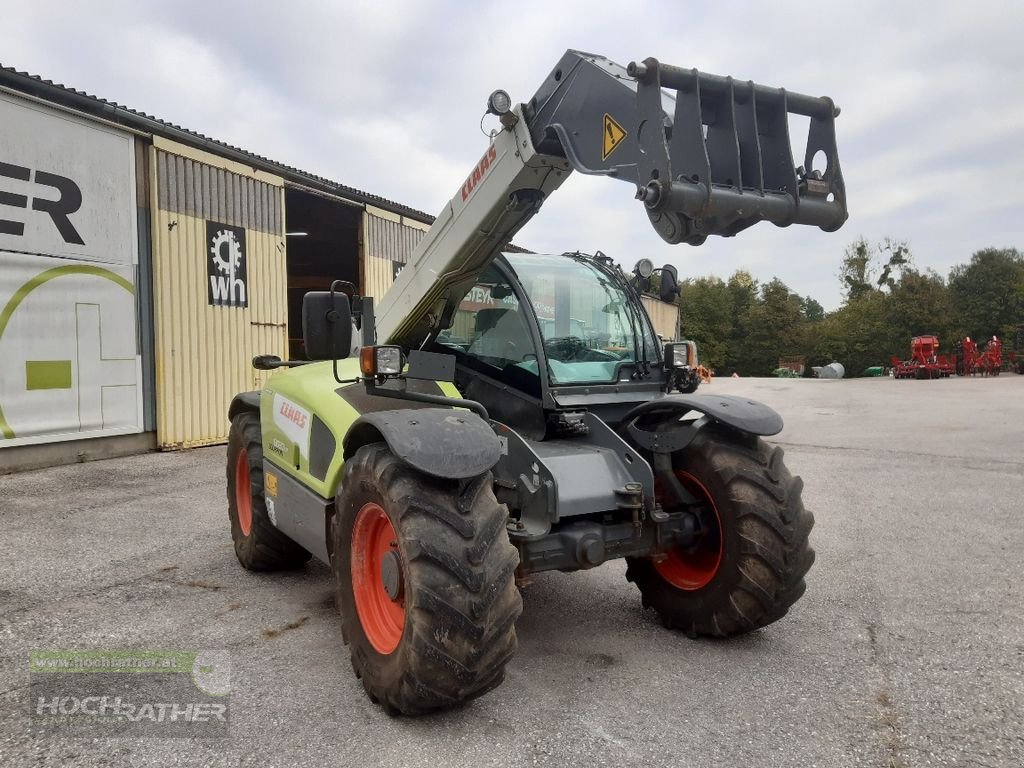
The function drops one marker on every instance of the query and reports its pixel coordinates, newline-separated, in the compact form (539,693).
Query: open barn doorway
(322,234)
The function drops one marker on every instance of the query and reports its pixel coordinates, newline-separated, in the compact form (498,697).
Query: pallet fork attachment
(709,155)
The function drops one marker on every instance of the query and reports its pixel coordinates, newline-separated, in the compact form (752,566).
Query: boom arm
(712,160)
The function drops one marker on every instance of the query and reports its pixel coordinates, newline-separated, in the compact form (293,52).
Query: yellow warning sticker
(613,136)
(270,482)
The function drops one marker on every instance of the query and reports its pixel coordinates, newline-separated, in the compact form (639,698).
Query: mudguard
(737,412)
(244,401)
(442,442)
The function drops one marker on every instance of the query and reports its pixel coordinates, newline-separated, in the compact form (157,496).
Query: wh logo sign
(226,267)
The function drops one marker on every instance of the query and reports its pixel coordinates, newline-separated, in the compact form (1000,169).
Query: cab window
(490,325)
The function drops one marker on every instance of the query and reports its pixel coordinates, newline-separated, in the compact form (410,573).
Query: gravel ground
(907,650)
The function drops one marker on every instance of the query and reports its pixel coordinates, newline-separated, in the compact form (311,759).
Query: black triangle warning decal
(613,136)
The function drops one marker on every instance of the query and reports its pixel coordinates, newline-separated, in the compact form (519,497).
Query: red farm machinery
(968,359)
(971,360)
(925,361)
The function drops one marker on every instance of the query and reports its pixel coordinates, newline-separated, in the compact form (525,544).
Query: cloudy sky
(387,97)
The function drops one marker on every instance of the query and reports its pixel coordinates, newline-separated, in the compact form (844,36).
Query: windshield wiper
(644,367)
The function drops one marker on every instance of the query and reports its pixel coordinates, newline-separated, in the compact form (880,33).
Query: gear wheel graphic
(234,258)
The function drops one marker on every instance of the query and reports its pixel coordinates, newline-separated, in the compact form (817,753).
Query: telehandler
(511,413)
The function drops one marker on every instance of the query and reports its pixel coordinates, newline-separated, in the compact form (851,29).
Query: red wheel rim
(383,618)
(243,493)
(694,567)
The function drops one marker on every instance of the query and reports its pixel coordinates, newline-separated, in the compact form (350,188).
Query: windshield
(586,320)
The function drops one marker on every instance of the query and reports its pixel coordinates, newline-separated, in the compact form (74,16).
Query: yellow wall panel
(663,316)
(386,241)
(203,353)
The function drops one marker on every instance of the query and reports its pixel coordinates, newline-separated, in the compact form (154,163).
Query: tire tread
(773,554)
(265,548)
(461,602)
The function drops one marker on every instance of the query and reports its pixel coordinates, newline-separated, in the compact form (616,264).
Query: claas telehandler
(496,415)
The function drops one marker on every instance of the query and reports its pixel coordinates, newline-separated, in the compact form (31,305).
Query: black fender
(441,442)
(242,402)
(739,413)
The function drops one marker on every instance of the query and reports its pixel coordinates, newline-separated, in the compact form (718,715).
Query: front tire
(691,384)
(259,546)
(748,569)
(425,581)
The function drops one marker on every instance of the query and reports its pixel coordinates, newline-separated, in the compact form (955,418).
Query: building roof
(110,111)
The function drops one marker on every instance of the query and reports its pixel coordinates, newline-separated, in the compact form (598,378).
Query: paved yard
(908,649)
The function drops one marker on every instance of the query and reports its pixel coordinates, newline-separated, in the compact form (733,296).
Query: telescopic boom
(705,154)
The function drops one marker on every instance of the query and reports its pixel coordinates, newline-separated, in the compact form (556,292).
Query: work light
(644,268)
(679,355)
(499,103)
(380,361)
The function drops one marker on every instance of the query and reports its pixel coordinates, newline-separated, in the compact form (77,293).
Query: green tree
(865,269)
(859,334)
(988,292)
(812,310)
(769,328)
(855,270)
(743,289)
(706,314)
(921,304)
(898,260)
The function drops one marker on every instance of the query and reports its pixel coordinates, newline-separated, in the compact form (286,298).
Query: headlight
(380,361)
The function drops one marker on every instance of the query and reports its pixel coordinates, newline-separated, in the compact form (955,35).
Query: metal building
(143,265)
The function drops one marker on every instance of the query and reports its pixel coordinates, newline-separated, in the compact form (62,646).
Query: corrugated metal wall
(663,316)
(204,352)
(186,185)
(387,238)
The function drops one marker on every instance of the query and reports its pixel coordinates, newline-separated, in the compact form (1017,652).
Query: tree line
(744,326)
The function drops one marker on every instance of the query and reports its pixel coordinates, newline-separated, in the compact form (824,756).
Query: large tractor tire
(691,384)
(748,568)
(425,581)
(259,546)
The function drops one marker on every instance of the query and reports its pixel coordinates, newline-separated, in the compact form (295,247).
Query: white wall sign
(68,250)
(67,186)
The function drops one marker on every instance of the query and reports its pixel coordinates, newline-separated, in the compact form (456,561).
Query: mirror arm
(270,362)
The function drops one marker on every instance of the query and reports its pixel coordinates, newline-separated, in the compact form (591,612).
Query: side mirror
(669,284)
(326,325)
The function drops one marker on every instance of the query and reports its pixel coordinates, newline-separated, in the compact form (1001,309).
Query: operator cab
(537,332)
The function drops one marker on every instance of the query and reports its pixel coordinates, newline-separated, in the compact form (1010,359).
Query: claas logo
(479,172)
(293,414)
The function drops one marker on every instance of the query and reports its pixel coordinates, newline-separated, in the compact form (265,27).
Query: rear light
(381,361)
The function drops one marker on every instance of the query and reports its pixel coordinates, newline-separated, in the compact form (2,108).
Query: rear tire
(754,570)
(425,581)
(259,546)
